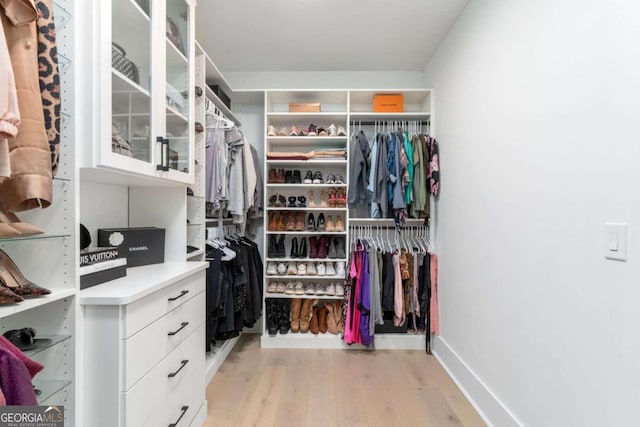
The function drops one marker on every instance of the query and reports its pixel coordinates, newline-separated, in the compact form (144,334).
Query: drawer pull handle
(182,365)
(184,411)
(183,293)
(182,326)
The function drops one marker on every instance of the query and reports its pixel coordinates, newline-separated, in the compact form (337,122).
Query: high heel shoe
(312,199)
(323,199)
(25,228)
(7,230)
(15,280)
(7,296)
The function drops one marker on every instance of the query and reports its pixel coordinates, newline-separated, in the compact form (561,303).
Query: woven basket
(121,63)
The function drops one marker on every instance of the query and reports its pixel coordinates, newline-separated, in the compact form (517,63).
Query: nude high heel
(13,279)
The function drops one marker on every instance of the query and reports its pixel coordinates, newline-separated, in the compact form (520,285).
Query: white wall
(325,80)
(538,116)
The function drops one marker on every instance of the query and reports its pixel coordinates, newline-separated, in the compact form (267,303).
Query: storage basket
(121,63)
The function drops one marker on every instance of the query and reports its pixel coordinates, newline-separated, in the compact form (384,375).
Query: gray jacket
(359,165)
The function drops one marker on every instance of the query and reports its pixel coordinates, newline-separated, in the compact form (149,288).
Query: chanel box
(140,245)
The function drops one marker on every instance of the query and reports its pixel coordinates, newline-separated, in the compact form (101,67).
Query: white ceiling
(324,35)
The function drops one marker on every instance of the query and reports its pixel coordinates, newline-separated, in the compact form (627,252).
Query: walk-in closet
(291,213)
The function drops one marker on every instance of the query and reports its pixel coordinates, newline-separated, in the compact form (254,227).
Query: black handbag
(121,63)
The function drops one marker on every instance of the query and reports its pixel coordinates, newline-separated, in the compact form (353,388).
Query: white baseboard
(216,358)
(486,403)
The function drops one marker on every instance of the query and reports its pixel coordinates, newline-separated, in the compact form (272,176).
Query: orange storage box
(304,107)
(388,103)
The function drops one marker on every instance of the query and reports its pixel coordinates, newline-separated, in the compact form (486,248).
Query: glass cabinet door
(131,61)
(178,102)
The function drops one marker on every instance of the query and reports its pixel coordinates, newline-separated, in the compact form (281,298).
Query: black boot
(302,253)
(285,309)
(280,250)
(271,252)
(288,177)
(272,318)
(297,179)
(294,248)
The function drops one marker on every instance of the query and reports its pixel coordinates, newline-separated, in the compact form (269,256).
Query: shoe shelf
(271,208)
(285,260)
(306,186)
(301,277)
(34,237)
(55,340)
(311,233)
(314,140)
(49,388)
(323,119)
(303,296)
(31,303)
(307,162)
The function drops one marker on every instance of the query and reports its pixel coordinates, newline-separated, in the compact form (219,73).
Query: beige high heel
(312,200)
(23,228)
(323,199)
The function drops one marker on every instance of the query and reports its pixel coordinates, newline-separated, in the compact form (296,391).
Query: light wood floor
(272,387)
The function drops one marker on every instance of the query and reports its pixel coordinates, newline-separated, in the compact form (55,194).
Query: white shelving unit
(351,109)
(207,74)
(49,259)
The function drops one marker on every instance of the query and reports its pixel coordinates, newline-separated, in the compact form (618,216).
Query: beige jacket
(30,184)
(9,112)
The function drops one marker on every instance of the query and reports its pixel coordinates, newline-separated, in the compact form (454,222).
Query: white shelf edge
(385,222)
(329,341)
(177,51)
(30,303)
(295,276)
(304,259)
(307,209)
(304,296)
(307,162)
(306,138)
(215,359)
(175,112)
(130,82)
(307,186)
(195,254)
(311,233)
(307,114)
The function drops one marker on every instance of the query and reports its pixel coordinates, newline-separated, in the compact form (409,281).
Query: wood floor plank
(326,388)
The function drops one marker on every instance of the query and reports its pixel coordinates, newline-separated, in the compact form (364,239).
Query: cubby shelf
(31,303)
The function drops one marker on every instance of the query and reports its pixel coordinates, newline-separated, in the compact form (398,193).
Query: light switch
(615,241)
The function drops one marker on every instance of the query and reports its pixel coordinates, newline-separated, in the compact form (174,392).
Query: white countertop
(139,282)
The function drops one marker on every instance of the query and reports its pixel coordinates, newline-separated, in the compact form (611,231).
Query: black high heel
(311,223)
(302,202)
(320,225)
(292,202)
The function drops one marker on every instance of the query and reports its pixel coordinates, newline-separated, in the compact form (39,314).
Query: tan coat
(30,184)
(9,112)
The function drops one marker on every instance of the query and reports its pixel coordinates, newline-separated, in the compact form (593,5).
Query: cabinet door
(147,127)
(132,77)
(178,90)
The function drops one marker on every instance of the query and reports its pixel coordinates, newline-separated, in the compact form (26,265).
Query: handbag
(121,63)
(120,145)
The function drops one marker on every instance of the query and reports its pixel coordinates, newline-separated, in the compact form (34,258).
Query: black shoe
(292,202)
(294,248)
(302,202)
(296,177)
(317,178)
(308,178)
(311,223)
(320,225)
(302,253)
(288,177)
(280,250)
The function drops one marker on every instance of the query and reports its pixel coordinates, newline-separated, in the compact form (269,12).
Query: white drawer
(146,310)
(187,399)
(144,398)
(143,350)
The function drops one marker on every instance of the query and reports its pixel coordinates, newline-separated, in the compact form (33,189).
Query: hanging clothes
(30,184)
(359,166)
(16,372)
(9,111)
